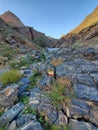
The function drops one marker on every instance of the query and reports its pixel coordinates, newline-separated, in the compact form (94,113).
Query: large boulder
(9,115)
(8,96)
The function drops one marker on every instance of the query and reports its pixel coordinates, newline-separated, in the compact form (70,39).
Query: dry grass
(64,82)
(56,62)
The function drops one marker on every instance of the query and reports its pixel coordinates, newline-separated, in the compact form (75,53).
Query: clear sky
(52,17)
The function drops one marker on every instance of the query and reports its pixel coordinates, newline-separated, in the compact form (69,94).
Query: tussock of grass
(60,90)
(11,76)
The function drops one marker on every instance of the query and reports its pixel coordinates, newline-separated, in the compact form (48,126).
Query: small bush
(11,76)
(34,79)
(30,110)
(24,99)
(60,90)
(56,94)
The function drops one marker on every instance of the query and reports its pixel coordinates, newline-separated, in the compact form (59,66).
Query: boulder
(9,115)
(21,120)
(45,82)
(8,96)
(48,110)
(81,125)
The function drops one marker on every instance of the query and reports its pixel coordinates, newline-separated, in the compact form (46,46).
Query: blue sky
(52,17)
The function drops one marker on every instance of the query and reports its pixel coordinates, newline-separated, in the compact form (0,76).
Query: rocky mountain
(39,38)
(11,19)
(86,34)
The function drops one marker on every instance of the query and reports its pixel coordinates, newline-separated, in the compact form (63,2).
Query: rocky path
(66,100)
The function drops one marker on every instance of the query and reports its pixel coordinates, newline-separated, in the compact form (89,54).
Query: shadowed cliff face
(86,33)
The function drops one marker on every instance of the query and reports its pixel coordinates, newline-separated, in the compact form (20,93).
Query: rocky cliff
(86,34)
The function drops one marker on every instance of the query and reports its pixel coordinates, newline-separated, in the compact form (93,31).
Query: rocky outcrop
(86,34)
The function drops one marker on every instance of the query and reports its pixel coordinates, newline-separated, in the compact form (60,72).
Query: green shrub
(56,94)
(24,99)
(34,79)
(11,76)
(30,110)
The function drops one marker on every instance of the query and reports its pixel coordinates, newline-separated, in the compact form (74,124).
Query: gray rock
(85,79)
(45,82)
(93,116)
(8,95)
(48,110)
(35,96)
(77,109)
(65,70)
(22,89)
(62,119)
(81,125)
(95,77)
(24,119)
(24,81)
(11,114)
(12,125)
(85,92)
(31,126)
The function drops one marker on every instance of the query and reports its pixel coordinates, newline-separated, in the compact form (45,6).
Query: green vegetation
(34,79)
(24,99)
(11,76)
(77,45)
(41,41)
(60,90)
(1,111)
(27,61)
(56,94)
(30,110)
(8,51)
(2,128)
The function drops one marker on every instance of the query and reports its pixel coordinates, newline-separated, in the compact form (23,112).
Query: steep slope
(39,38)
(86,34)
(12,43)
(88,21)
